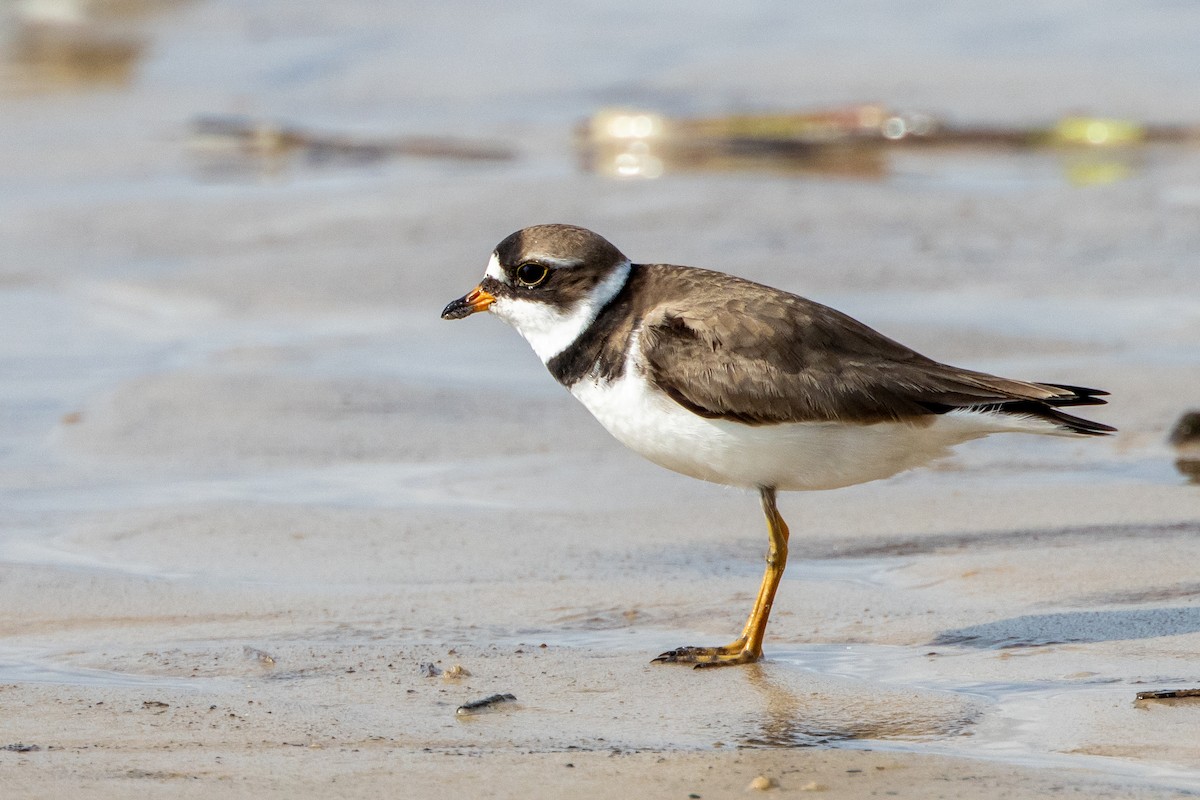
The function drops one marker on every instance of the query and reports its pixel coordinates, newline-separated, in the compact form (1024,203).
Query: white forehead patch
(493,269)
(548,330)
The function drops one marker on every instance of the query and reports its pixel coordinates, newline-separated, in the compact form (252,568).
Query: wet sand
(268,522)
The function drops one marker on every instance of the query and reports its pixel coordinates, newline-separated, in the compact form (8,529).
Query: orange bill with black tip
(478,299)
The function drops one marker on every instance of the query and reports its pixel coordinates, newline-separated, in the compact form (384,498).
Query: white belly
(791,456)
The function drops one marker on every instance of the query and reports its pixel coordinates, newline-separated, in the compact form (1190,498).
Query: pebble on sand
(761,784)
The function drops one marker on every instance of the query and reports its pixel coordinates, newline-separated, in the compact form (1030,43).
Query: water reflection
(795,714)
(1185,438)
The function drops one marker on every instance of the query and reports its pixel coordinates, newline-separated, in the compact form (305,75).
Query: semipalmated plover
(737,383)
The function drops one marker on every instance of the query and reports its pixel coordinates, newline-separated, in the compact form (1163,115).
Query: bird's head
(549,282)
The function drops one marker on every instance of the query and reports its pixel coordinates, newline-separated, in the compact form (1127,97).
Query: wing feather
(741,351)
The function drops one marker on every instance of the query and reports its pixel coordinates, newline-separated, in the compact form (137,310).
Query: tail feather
(1045,403)
(1076,396)
(1047,409)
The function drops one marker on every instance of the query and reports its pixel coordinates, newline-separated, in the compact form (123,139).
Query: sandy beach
(268,522)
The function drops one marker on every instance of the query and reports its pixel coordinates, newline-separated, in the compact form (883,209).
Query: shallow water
(1016,727)
(25,666)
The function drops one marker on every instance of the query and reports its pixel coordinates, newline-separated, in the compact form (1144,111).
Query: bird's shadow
(1033,630)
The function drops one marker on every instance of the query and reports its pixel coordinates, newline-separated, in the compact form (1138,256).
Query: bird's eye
(531,275)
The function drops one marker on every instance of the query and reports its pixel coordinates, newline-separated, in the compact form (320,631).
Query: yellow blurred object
(628,143)
(853,140)
(1097,173)
(868,120)
(1097,132)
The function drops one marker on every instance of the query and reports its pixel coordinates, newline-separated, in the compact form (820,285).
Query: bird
(737,383)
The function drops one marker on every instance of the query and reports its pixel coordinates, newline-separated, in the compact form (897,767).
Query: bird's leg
(747,648)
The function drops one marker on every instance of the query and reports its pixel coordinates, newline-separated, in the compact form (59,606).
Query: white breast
(793,456)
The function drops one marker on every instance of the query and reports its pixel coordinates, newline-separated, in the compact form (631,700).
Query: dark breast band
(600,351)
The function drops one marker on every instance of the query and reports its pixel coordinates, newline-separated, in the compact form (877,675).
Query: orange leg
(747,648)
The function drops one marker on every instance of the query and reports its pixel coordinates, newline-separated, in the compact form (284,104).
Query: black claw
(671,656)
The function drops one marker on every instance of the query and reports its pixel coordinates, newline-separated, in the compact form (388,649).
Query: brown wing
(741,351)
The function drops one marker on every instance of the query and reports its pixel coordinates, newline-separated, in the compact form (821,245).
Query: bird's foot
(738,652)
